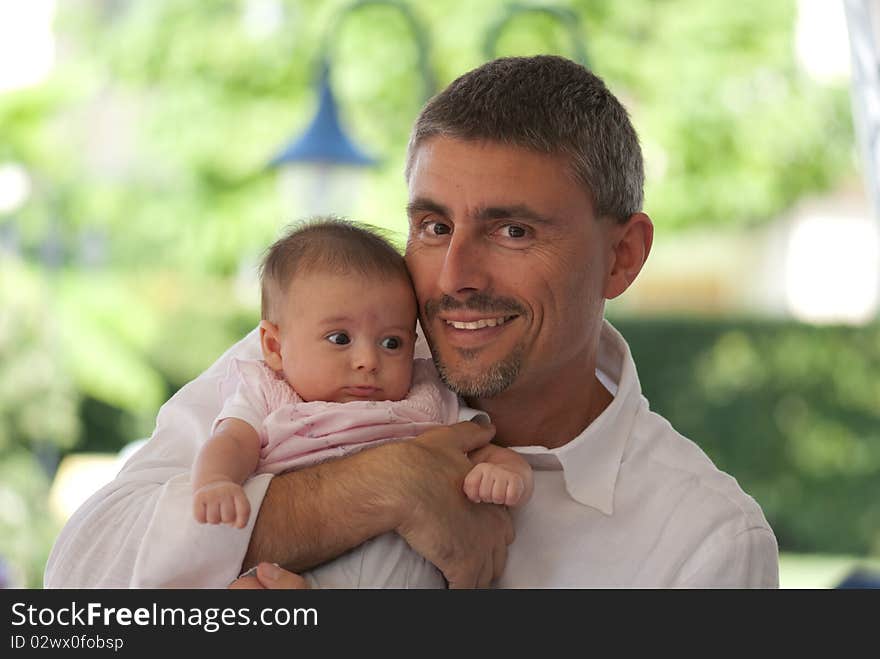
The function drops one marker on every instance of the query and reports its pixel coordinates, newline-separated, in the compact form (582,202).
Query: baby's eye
(339,338)
(391,343)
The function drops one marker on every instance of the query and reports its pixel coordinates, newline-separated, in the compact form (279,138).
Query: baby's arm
(223,464)
(500,476)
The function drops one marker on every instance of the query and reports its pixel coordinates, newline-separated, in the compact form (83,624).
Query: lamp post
(321,170)
(566,16)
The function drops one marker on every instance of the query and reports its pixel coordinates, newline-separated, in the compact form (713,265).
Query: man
(525,193)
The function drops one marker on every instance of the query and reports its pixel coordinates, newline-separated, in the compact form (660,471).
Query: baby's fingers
(227,509)
(487,485)
(472,484)
(499,490)
(515,489)
(242,511)
(212,510)
(199,510)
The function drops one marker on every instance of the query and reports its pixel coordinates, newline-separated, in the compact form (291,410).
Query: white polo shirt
(629,502)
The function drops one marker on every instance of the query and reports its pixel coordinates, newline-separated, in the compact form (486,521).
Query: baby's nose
(365,358)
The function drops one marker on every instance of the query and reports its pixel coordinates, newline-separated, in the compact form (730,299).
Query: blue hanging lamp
(324,141)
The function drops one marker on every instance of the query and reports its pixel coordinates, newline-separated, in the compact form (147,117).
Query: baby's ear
(270,343)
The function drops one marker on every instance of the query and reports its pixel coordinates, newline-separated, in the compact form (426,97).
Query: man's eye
(391,343)
(436,228)
(339,338)
(514,231)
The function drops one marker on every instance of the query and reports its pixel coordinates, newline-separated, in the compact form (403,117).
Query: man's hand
(414,487)
(269,577)
(465,540)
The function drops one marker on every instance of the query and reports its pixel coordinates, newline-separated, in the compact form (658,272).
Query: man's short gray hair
(550,105)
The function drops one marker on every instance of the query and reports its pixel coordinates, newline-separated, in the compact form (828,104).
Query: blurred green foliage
(27,529)
(792,411)
(131,264)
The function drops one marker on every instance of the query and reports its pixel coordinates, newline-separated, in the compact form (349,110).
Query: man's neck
(551,412)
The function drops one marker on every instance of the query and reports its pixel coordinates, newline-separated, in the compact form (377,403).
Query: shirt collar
(591,461)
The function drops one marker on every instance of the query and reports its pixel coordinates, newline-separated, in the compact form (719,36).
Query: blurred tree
(38,420)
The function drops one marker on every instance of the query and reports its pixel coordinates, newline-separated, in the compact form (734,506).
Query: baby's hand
(221,502)
(492,483)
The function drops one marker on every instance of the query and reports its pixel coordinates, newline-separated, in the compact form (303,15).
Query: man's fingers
(509,535)
(464,581)
(249,582)
(269,576)
(277,578)
(486,574)
(459,536)
(469,436)
(499,559)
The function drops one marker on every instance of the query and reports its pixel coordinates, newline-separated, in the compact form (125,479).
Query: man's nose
(464,268)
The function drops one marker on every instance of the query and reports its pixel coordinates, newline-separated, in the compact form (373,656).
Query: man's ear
(270,343)
(631,244)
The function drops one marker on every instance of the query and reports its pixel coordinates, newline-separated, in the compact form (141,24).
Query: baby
(337,375)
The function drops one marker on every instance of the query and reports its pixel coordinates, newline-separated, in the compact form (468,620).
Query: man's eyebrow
(517,211)
(520,211)
(423,204)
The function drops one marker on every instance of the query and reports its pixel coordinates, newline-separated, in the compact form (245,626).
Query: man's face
(509,265)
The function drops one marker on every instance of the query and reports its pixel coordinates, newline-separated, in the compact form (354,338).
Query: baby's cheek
(401,382)
(313,384)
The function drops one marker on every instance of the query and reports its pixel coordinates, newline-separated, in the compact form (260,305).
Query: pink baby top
(295,433)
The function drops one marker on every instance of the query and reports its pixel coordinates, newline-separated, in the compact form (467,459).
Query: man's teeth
(477,324)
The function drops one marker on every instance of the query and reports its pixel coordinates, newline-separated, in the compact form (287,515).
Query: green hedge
(792,411)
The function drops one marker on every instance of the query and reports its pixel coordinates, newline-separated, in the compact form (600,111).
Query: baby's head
(339,313)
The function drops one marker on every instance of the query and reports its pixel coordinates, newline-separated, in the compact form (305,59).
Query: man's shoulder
(677,465)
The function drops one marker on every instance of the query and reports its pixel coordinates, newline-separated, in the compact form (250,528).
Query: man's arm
(414,487)
(138,531)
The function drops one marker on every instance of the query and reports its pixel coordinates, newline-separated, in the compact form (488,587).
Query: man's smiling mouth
(478,324)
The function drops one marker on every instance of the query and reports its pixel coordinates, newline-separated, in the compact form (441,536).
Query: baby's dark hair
(326,245)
